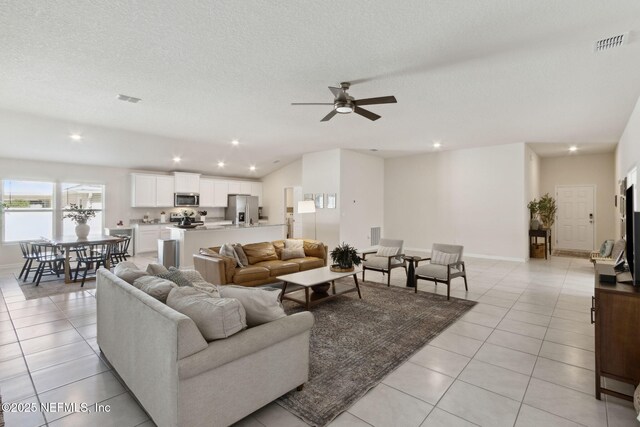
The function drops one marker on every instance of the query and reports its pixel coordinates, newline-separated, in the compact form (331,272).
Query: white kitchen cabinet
(147,238)
(256,190)
(245,187)
(143,190)
(220,194)
(234,187)
(207,193)
(165,233)
(187,182)
(164,191)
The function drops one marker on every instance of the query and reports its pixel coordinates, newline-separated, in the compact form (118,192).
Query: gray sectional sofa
(182,380)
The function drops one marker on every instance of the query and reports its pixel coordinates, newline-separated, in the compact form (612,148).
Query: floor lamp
(306,207)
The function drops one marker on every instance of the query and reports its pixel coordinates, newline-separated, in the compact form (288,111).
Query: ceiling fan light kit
(343,103)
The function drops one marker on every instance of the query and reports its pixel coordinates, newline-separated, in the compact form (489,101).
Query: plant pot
(203,218)
(534,224)
(339,269)
(82,230)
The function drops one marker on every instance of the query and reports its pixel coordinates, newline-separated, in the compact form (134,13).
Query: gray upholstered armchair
(387,257)
(445,264)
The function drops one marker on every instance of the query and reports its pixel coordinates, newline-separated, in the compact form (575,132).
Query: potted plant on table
(344,258)
(80,216)
(203,215)
(534,223)
(187,217)
(547,209)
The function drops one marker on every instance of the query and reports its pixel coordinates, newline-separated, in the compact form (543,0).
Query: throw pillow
(291,253)
(198,282)
(155,269)
(443,258)
(240,255)
(262,305)
(227,250)
(208,252)
(128,272)
(175,276)
(257,252)
(387,251)
(293,244)
(155,286)
(216,318)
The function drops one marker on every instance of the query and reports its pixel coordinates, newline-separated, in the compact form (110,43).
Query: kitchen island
(191,240)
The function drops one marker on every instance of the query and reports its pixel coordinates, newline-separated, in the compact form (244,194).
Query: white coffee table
(317,276)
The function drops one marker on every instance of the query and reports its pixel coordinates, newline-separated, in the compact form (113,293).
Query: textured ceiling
(464,73)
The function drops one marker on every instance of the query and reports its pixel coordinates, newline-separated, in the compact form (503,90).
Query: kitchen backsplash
(136,214)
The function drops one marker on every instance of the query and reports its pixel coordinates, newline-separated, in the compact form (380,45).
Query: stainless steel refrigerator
(242,210)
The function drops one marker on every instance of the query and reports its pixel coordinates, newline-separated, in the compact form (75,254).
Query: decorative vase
(535,224)
(82,230)
(163,218)
(322,288)
(203,218)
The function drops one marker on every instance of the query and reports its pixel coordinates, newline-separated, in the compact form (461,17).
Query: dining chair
(120,250)
(445,264)
(92,256)
(28,256)
(50,260)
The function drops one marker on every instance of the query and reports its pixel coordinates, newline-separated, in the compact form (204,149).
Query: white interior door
(575,220)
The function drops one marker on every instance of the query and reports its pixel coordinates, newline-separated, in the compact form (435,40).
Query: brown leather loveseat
(265,263)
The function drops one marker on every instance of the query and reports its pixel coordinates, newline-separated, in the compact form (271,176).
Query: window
(33,210)
(28,212)
(89,196)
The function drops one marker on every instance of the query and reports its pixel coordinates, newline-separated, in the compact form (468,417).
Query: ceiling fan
(345,104)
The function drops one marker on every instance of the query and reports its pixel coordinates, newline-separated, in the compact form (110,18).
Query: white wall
(273,187)
(321,174)
(361,197)
(628,151)
(587,169)
(474,197)
(532,174)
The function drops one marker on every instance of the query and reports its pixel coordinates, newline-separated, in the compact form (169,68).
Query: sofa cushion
(128,272)
(308,263)
(291,253)
(216,318)
(155,269)
(279,245)
(249,274)
(155,286)
(278,268)
(257,252)
(261,305)
(228,251)
(314,248)
(436,271)
(380,262)
(175,276)
(198,282)
(240,255)
(293,244)
(229,263)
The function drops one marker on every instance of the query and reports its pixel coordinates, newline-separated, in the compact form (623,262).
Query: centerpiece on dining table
(80,216)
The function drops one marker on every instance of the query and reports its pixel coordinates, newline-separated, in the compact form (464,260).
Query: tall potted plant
(80,216)
(547,209)
(534,224)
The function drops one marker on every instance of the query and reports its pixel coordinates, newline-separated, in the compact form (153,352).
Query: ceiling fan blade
(312,103)
(366,113)
(378,100)
(329,116)
(336,91)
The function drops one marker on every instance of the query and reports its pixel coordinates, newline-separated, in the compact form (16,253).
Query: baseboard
(471,255)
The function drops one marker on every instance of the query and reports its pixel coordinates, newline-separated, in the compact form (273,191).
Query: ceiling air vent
(127,98)
(610,42)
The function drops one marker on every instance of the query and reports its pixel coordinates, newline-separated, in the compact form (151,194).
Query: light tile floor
(523,356)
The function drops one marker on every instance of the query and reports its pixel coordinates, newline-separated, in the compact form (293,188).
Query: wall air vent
(127,98)
(610,42)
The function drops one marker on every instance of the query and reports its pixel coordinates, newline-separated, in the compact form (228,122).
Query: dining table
(67,243)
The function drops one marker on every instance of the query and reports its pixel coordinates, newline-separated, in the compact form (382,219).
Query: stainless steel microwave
(187,200)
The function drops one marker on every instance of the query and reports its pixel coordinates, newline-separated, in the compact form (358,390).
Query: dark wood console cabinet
(616,314)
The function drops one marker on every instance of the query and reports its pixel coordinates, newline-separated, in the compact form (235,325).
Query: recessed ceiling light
(437,144)
(373,149)
(177,159)
(276,161)
(75,136)
(573,148)
(252,168)
(235,142)
(220,164)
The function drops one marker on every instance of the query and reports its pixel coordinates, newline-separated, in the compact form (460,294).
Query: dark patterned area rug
(356,343)
(1,414)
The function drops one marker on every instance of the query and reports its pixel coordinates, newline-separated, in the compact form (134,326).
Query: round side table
(411,271)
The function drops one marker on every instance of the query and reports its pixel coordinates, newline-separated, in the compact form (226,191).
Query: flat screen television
(632,236)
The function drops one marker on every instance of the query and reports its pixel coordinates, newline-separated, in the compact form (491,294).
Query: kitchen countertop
(226,227)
